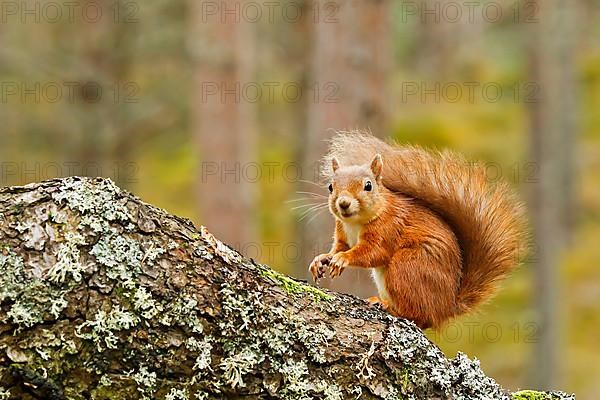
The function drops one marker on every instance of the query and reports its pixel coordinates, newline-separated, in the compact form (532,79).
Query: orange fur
(437,235)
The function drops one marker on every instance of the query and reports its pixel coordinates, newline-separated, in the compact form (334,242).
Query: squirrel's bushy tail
(485,216)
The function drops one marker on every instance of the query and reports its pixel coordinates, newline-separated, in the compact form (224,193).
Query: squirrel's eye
(330,188)
(368,186)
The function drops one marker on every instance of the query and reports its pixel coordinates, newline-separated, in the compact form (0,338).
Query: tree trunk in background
(300,54)
(122,144)
(223,120)
(439,41)
(99,135)
(553,141)
(449,41)
(9,136)
(93,128)
(351,59)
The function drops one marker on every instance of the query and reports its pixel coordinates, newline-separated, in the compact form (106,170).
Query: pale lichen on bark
(105,297)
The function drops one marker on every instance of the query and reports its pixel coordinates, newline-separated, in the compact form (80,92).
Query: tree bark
(105,297)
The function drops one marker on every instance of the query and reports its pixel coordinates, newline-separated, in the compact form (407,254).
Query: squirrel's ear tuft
(334,164)
(377,165)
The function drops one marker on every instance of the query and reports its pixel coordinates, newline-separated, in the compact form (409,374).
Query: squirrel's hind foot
(376,300)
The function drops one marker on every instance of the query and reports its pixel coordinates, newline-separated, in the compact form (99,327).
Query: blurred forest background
(219,111)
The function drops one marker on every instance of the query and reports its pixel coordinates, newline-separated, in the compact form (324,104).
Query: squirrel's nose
(344,204)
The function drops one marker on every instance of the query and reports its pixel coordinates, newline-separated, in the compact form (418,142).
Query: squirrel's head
(355,191)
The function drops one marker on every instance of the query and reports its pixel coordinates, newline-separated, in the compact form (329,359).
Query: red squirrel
(435,233)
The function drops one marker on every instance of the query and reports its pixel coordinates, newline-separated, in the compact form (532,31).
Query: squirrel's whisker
(312,210)
(307,205)
(302,199)
(315,215)
(312,194)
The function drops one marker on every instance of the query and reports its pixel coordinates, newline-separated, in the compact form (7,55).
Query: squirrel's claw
(336,271)
(317,266)
(337,264)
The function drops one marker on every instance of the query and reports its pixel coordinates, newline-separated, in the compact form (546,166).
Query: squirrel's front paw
(337,264)
(317,266)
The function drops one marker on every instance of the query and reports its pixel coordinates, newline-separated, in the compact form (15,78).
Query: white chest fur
(352,232)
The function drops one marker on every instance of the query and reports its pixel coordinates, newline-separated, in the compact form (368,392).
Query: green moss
(405,378)
(531,395)
(292,286)
(112,391)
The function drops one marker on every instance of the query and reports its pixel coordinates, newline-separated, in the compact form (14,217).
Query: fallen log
(103,296)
